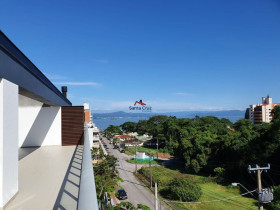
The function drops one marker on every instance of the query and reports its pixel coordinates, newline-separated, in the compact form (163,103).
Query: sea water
(103,123)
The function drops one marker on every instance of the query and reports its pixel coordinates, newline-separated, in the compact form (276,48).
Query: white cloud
(55,77)
(78,83)
(183,94)
(102,61)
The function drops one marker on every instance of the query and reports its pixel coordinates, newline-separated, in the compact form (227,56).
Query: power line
(211,201)
(228,201)
(273,183)
(274,172)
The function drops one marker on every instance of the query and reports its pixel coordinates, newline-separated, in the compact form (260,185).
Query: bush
(220,173)
(117,194)
(125,206)
(195,166)
(183,189)
(143,207)
(275,204)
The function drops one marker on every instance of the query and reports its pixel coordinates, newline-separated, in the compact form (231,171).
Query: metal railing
(87,193)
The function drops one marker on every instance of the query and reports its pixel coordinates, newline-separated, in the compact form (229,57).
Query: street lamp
(235,184)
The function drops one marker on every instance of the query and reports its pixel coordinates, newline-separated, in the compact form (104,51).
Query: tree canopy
(183,190)
(205,143)
(106,175)
(112,129)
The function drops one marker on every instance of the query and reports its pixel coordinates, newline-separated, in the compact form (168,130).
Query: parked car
(122,150)
(122,194)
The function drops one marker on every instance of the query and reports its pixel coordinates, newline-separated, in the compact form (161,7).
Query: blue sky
(174,55)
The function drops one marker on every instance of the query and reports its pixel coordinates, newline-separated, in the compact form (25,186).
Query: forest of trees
(204,144)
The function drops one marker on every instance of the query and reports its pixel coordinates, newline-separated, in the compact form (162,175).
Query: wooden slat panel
(72,119)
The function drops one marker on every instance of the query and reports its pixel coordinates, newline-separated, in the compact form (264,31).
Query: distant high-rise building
(261,113)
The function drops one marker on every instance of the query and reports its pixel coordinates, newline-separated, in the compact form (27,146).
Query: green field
(210,191)
(131,150)
(145,161)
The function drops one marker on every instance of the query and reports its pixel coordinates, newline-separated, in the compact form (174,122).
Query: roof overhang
(18,69)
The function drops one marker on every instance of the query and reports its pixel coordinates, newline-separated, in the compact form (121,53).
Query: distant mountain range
(230,114)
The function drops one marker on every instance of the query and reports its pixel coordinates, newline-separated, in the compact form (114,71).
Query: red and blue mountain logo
(139,102)
(143,107)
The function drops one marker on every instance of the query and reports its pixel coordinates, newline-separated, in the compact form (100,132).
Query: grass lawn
(210,190)
(214,191)
(145,161)
(131,150)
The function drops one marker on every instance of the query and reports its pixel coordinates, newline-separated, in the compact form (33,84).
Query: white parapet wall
(39,125)
(8,141)
(87,193)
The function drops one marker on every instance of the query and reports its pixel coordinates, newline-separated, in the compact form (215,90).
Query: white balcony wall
(87,193)
(39,125)
(8,141)
(90,134)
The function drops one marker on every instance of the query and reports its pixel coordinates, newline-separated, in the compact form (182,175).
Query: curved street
(136,192)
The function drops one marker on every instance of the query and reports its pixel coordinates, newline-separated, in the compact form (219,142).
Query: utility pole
(151,180)
(156,200)
(135,158)
(259,180)
(157,148)
(259,187)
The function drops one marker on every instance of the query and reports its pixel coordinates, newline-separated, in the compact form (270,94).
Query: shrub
(220,173)
(183,189)
(143,207)
(125,206)
(275,204)
(195,166)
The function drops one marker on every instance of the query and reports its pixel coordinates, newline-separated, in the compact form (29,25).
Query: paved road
(136,192)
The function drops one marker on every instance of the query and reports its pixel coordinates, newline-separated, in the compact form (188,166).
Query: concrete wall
(8,141)
(39,125)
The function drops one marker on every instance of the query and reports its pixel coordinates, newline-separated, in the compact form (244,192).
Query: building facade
(35,115)
(262,113)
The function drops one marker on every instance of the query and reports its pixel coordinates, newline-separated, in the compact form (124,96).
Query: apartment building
(45,159)
(261,113)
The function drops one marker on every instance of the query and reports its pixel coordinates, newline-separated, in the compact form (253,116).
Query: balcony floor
(49,178)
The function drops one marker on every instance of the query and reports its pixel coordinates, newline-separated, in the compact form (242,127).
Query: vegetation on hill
(206,193)
(112,129)
(218,147)
(205,143)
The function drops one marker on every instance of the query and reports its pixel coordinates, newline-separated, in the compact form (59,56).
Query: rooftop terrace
(49,178)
